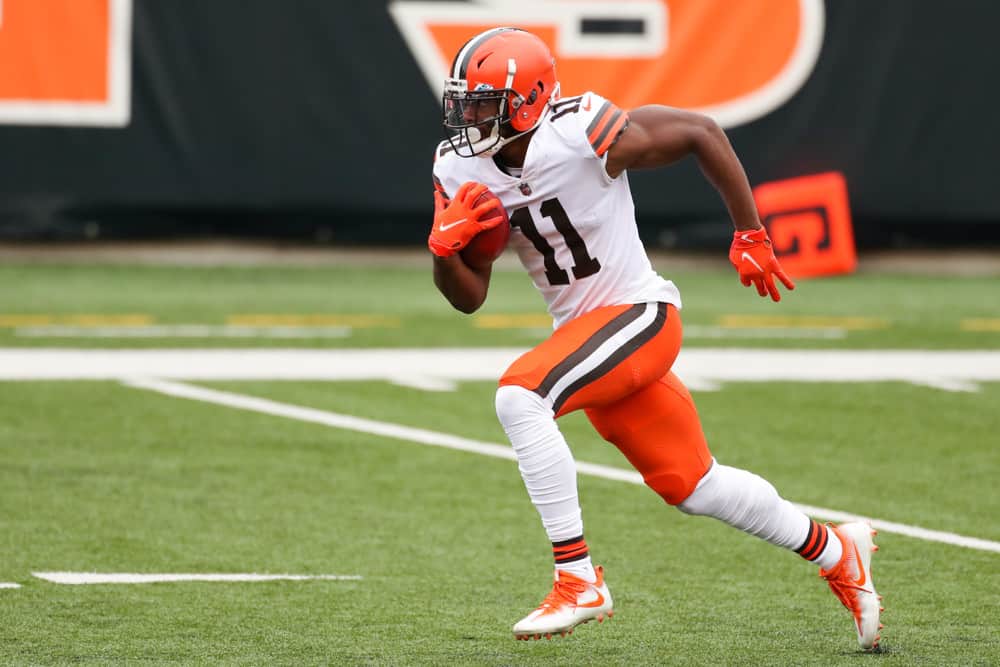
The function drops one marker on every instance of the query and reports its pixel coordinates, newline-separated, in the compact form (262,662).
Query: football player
(559,167)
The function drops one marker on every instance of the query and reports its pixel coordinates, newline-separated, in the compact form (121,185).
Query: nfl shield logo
(525,189)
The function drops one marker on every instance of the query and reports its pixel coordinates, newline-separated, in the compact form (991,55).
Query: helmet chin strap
(491,144)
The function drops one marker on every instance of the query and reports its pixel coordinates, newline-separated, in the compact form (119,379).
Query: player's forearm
(464,287)
(722,168)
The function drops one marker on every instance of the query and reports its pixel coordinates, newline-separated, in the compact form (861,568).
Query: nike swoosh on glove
(458,220)
(753,257)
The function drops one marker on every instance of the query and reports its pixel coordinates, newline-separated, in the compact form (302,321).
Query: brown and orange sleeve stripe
(570,550)
(603,131)
(815,542)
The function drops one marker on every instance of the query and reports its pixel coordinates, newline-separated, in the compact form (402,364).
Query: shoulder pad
(598,120)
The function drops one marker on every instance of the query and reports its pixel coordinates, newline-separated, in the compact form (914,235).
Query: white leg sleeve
(544,459)
(750,503)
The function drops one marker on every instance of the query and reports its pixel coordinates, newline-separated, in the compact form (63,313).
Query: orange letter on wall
(65,62)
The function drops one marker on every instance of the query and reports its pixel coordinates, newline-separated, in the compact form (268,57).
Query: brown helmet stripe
(460,65)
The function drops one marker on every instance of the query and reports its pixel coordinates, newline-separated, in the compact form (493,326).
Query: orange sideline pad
(54,50)
(809,221)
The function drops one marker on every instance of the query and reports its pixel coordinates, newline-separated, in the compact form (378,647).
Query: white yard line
(437,439)
(9,584)
(79,578)
(440,368)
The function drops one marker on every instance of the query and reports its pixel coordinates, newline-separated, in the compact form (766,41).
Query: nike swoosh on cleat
(750,259)
(443,227)
(862,576)
(597,602)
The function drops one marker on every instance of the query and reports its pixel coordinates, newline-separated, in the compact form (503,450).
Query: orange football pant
(614,363)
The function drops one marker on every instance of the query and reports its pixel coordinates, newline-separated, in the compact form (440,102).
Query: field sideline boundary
(438,439)
(701,369)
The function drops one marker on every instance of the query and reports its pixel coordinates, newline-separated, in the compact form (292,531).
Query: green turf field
(100,477)
(400,306)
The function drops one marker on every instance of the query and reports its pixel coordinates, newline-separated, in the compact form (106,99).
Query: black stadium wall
(315,119)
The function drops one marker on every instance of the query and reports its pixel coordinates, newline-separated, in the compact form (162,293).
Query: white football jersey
(572,225)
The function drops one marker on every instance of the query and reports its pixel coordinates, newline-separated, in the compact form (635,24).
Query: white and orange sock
(821,546)
(573,556)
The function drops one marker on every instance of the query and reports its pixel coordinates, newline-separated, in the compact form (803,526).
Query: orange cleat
(851,581)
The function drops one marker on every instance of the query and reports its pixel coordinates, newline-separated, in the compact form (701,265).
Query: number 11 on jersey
(583,264)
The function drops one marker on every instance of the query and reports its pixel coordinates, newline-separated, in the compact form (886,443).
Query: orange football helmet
(504,76)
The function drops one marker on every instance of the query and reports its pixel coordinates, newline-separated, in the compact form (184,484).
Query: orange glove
(458,220)
(753,257)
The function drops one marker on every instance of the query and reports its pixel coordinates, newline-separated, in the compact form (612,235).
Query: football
(487,245)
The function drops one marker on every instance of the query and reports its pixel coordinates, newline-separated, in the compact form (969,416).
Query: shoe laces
(843,586)
(566,590)
(844,590)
